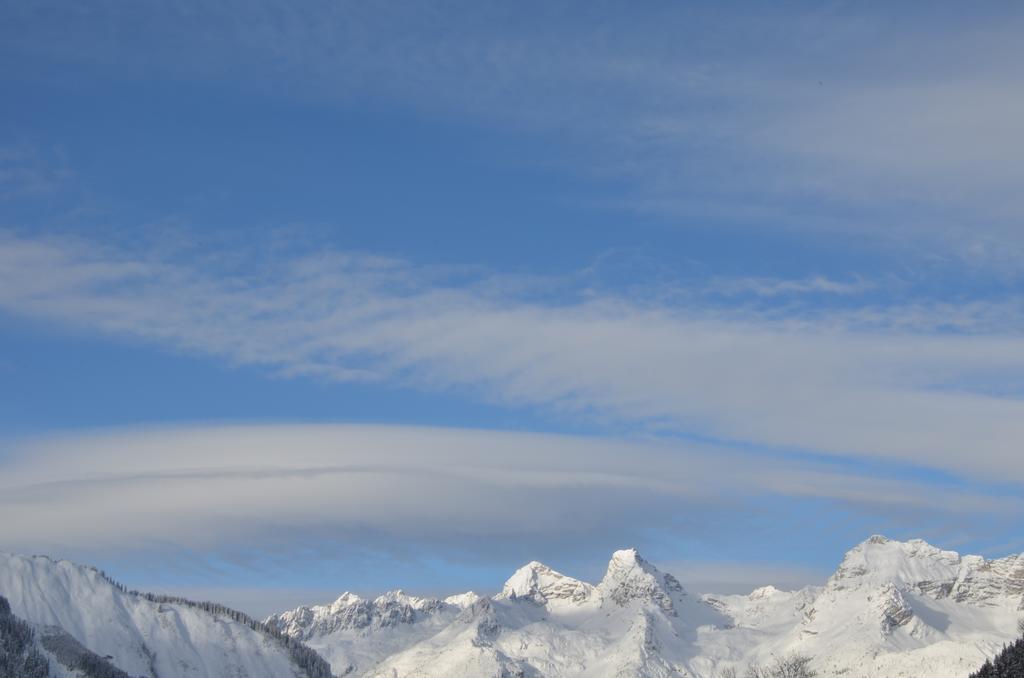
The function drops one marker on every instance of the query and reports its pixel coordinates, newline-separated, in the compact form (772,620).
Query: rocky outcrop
(631,578)
(350,612)
(540,584)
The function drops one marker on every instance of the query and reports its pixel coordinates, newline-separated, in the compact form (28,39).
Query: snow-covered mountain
(891,609)
(394,621)
(76,611)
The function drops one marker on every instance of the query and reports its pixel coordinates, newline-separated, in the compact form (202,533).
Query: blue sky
(433,291)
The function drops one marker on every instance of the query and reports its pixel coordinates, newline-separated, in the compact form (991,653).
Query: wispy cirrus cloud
(27,172)
(774,287)
(872,383)
(894,125)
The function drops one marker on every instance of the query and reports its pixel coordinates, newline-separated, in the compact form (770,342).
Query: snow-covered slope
(636,622)
(143,637)
(355,635)
(891,609)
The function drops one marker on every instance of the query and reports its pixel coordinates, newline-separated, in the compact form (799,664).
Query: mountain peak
(861,627)
(763,592)
(537,582)
(629,577)
(400,597)
(626,562)
(347,598)
(917,566)
(628,556)
(878,561)
(463,600)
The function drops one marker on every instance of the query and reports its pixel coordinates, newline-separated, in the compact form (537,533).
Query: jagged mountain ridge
(891,608)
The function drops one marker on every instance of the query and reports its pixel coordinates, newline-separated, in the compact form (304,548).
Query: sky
(298,298)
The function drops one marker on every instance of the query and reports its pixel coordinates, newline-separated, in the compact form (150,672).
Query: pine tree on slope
(1007,664)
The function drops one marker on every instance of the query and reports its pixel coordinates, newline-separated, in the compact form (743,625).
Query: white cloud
(885,383)
(773,287)
(215,489)
(878,122)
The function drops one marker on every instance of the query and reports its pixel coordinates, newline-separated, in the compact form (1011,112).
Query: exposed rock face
(539,583)
(918,567)
(630,577)
(350,611)
(482,616)
(989,582)
(891,608)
